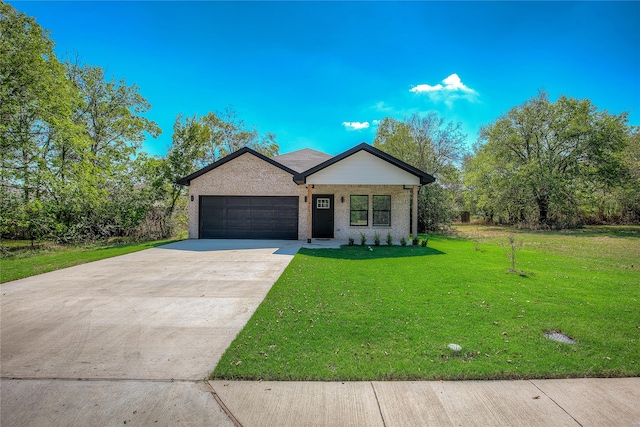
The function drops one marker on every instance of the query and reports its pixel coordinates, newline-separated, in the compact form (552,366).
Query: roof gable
(359,161)
(292,163)
(187,179)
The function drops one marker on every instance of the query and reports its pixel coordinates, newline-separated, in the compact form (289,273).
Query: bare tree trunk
(543,209)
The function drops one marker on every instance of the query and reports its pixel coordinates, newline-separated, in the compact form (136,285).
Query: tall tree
(436,146)
(627,196)
(111,115)
(547,154)
(36,105)
(229,133)
(189,151)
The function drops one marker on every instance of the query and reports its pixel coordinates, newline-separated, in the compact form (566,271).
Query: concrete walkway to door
(108,329)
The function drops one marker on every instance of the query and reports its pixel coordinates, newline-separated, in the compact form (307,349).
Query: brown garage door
(243,217)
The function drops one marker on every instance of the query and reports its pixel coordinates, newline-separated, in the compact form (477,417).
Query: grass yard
(352,314)
(20,261)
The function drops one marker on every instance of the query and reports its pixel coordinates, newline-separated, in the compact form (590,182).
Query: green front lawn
(354,314)
(19,261)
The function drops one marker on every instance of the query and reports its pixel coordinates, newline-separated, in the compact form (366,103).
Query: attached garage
(248,217)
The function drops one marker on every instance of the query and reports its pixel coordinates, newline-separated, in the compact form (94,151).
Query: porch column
(309,211)
(414,212)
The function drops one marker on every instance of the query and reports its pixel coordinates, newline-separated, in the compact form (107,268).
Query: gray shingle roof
(302,160)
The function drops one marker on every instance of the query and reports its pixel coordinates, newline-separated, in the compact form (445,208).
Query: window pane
(382,210)
(359,203)
(359,210)
(381,218)
(359,217)
(382,203)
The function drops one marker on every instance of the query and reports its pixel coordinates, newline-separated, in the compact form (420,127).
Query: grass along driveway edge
(28,264)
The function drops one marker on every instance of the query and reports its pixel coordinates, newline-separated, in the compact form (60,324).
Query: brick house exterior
(304,195)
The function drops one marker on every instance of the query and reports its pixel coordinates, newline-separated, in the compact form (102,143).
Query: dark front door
(323,216)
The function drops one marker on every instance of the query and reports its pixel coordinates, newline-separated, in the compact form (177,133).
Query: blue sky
(319,75)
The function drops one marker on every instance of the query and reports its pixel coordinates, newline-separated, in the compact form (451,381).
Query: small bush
(363,239)
(389,239)
(376,239)
(414,241)
(425,242)
(351,241)
(403,241)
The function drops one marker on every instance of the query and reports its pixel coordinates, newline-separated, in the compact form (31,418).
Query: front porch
(340,212)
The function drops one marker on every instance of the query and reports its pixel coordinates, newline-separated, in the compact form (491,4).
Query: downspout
(414,212)
(309,211)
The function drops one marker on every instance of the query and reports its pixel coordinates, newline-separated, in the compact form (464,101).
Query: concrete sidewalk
(574,402)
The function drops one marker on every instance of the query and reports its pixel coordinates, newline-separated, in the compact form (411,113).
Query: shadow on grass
(363,252)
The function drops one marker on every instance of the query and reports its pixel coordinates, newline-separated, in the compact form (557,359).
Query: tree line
(73,169)
(543,164)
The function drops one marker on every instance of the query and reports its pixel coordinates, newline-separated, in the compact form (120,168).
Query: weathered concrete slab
(597,401)
(468,403)
(167,312)
(108,403)
(300,403)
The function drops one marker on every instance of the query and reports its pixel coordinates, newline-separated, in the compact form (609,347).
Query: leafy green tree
(190,150)
(112,115)
(106,200)
(36,106)
(537,162)
(68,139)
(433,145)
(229,133)
(627,196)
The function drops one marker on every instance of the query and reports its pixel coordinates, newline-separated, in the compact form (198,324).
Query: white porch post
(309,212)
(414,212)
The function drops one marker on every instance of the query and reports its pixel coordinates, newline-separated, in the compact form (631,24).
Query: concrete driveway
(161,315)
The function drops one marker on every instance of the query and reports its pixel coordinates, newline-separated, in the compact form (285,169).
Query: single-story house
(305,194)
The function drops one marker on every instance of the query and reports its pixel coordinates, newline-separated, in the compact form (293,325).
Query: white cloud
(376,122)
(453,89)
(355,125)
(426,88)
